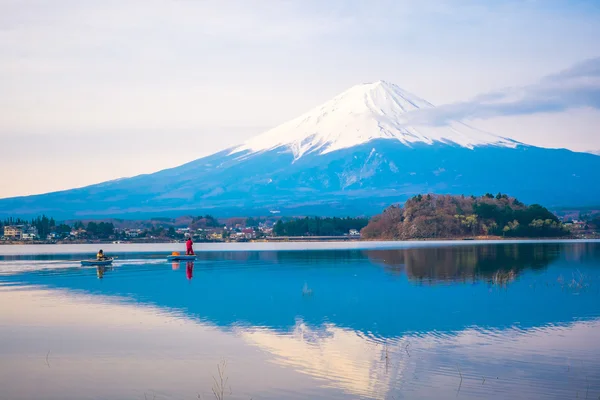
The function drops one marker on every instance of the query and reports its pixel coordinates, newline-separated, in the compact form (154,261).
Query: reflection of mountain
(265,289)
(466,263)
(425,365)
(339,357)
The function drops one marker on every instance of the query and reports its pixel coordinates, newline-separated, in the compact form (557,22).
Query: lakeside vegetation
(319,226)
(445,216)
(426,216)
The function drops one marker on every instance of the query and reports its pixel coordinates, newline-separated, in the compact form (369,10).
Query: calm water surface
(308,321)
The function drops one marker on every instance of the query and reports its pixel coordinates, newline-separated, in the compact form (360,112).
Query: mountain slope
(355,154)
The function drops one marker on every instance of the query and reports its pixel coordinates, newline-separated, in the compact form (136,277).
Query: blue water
(480,320)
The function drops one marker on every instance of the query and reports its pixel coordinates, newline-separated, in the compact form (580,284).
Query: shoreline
(157,249)
(298,239)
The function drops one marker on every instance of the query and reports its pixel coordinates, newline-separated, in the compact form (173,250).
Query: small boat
(181,257)
(89,263)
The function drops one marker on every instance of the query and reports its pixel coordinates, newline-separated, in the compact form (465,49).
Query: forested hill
(446,216)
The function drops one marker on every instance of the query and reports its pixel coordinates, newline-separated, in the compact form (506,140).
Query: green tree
(251,222)
(279,229)
(595,222)
(472,223)
(92,229)
(63,229)
(43,224)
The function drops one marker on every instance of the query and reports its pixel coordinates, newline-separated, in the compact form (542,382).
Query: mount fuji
(355,154)
(361,114)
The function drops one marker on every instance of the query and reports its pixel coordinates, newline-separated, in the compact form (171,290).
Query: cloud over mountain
(575,87)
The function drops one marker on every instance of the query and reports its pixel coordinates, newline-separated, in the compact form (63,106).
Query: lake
(416,320)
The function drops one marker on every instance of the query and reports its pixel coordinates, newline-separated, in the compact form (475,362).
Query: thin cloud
(575,87)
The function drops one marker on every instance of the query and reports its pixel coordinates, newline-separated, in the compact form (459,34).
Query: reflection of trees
(241,256)
(493,263)
(497,263)
(582,252)
(276,257)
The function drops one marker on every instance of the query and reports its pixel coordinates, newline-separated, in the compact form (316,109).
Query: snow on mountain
(363,113)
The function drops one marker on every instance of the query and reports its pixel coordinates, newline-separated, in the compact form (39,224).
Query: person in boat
(100,256)
(189,250)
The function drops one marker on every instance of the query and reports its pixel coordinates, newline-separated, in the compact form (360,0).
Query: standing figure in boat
(189,250)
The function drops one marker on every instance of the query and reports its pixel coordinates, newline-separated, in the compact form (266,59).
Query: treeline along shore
(423,217)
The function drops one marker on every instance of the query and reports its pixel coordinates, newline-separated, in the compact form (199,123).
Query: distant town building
(215,236)
(20,232)
(579,224)
(29,233)
(78,232)
(132,233)
(249,233)
(14,232)
(354,232)
(267,230)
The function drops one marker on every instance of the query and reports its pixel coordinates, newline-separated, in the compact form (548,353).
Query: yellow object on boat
(175,253)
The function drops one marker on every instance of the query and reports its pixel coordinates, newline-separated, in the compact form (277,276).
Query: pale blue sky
(156,83)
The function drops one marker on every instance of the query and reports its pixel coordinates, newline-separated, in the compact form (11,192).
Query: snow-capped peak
(363,113)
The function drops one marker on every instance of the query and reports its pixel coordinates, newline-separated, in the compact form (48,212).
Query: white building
(132,233)
(28,236)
